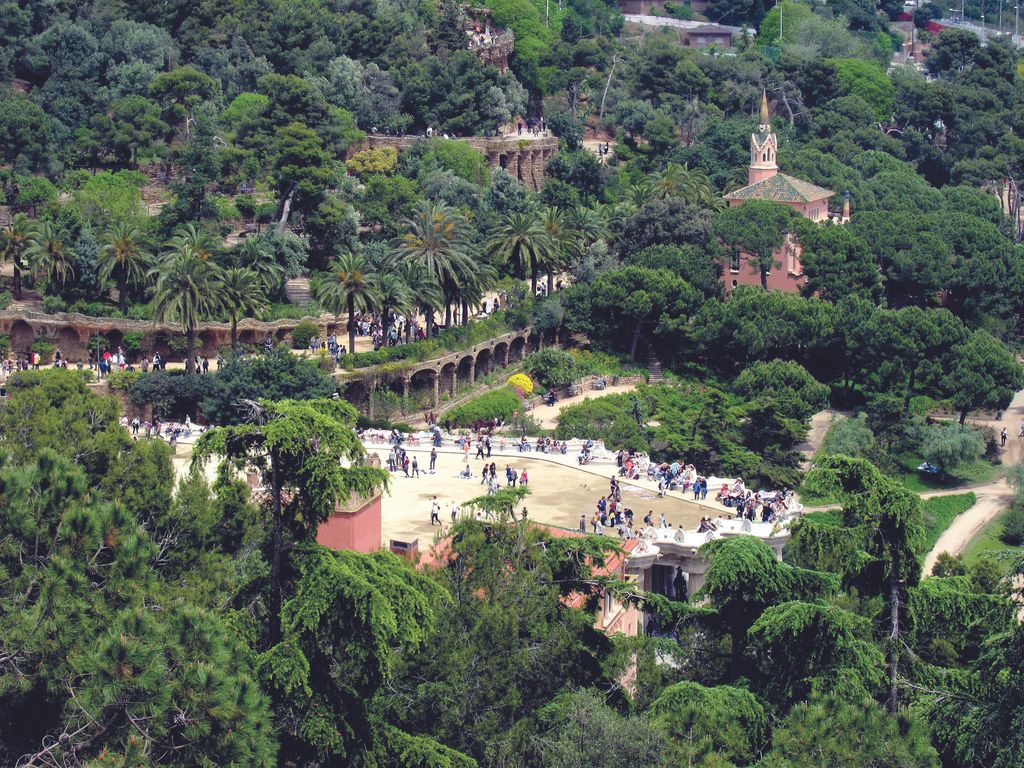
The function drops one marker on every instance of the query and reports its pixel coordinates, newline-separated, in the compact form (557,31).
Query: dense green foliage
(500,404)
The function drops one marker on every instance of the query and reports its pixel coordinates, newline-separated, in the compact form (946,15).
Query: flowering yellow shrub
(522,383)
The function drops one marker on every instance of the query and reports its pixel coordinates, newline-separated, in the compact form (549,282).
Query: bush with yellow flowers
(521,383)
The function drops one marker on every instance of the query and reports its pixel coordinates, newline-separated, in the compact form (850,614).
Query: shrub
(54,304)
(604,418)
(122,380)
(132,343)
(173,394)
(5,345)
(1013,524)
(6,298)
(45,349)
(552,368)
(365,422)
(521,383)
(501,404)
(370,162)
(385,403)
(303,333)
(140,312)
(93,308)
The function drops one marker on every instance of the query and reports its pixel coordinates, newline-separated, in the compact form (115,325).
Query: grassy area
(988,544)
(939,513)
(974,473)
(825,517)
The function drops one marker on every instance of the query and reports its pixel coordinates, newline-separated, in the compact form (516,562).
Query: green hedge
(502,403)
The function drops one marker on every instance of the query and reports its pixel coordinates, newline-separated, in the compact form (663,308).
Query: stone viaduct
(442,375)
(525,159)
(72,333)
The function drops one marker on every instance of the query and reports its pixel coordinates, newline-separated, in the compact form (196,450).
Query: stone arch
(248,337)
(448,378)
(69,343)
(207,343)
(517,349)
(483,364)
(115,339)
(22,335)
(500,354)
(465,369)
(424,382)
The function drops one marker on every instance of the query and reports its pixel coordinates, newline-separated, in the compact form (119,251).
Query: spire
(846,208)
(764,118)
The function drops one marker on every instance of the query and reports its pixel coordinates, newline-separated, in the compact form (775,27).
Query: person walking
(487,445)
(415,467)
(455,512)
(1002,438)
(480,449)
(433,458)
(583,523)
(523,479)
(435,510)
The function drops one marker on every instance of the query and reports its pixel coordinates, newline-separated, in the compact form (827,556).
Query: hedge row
(501,404)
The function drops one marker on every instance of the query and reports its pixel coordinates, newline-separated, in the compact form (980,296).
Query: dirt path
(821,422)
(548,415)
(992,499)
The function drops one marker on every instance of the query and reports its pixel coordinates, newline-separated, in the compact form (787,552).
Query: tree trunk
(636,340)
(122,293)
(447,314)
(284,209)
(465,312)
(190,351)
(551,282)
(963,416)
(277,547)
(430,321)
(894,633)
(17,281)
(351,324)
(234,335)
(533,275)
(764,278)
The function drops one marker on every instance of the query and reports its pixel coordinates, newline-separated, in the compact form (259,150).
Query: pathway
(548,415)
(993,498)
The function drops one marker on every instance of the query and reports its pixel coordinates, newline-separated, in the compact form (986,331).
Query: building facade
(765,182)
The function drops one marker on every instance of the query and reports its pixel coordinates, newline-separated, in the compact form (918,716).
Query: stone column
(472,371)
(454,382)
(513,164)
(405,395)
(437,388)
(369,400)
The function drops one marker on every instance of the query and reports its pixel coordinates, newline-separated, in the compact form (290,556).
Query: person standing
(523,479)
(455,512)
(583,523)
(433,458)
(480,449)
(487,444)
(415,467)
(1002,438)
(435,510)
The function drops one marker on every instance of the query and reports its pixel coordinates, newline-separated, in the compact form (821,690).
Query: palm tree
(124,256)
(14,240)
(256,254)
(423,287)
(437,237)
(242,295)
(562,240)
(522,239)
(589,225)
(48,254)
(348,286)
(641,193)
(200,242)
(187,288)
(392,294)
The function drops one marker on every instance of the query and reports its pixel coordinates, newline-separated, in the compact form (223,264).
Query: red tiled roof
(782,189)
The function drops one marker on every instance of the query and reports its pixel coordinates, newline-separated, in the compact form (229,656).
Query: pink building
(764,182)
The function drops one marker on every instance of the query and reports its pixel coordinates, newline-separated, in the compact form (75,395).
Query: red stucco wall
(358,529)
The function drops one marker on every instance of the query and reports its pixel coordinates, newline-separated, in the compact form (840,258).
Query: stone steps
(298,291)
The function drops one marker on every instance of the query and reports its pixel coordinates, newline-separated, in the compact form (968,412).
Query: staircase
(297,290)
(654,372)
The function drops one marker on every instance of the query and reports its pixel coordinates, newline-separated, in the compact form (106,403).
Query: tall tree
(438,238)
(350,285)
(187,290)
(241,295)
(521,238)
(15,239)
(758,228)
(48,253)
(125,259)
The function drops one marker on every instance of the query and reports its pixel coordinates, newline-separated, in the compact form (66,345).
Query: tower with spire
(764,147)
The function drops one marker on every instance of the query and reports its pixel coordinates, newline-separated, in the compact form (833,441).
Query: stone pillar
(369,400)
(454,382)
(405,395)
(513,164)
(472,371)
(437,388)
